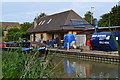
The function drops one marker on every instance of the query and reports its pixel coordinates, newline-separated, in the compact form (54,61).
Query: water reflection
(75,68)
(80,70)
(68,68)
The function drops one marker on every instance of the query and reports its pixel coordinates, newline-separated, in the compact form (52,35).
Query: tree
(112,18)
(88,16)
(41,15)
(104,21)
(14,34)
(25,26)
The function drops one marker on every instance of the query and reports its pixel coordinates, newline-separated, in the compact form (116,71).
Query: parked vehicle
(104,41)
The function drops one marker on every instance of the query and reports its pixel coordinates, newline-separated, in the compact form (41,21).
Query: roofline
(57,13)
(112,27)
(61,12)
(56,30)
(9,22)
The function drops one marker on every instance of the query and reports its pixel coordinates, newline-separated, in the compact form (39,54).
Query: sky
(26,11)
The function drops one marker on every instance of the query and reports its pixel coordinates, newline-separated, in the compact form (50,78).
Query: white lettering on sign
(116,38)
(98,35)
(103,42)
(108,37)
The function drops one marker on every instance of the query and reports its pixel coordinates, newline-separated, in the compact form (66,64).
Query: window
(49,21)
(41,36)
(40,23)
(77,22)
(43,22)
(52,36)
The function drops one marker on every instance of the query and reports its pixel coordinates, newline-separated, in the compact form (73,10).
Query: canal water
(74,67)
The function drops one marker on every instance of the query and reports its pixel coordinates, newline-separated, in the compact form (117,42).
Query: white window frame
(49,21)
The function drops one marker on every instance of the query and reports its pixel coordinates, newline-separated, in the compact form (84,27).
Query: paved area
(111,53)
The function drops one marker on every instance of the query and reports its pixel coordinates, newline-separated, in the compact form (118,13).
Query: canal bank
(67,66)
(90,55)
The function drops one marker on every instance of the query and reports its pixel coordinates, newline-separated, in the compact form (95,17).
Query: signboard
(81,40)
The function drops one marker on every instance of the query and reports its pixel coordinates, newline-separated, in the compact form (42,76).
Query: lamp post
(109,20)
(91,14)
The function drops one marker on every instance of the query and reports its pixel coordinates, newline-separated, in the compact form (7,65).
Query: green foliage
(13,29)
(14,34)
(25,26)
(41,15)
(5,39)
(17,64)
(116,43)
(88,16)
(112,18)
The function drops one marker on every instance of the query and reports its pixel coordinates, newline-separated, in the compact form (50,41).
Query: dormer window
(43,22)
(49,21)
(40,23)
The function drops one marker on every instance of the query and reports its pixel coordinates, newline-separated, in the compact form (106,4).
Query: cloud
(19,17)
(26,12)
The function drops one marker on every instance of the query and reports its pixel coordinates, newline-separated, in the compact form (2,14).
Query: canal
(74,67)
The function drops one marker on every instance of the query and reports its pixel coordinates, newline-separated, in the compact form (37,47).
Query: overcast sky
(27,11)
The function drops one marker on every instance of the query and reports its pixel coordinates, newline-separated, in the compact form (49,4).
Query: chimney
(35,23)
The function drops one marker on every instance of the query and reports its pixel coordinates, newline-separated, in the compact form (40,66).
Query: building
(103,29)
(89,31)
(7,25)
(57,25)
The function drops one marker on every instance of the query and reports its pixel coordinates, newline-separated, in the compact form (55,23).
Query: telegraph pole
(109,20)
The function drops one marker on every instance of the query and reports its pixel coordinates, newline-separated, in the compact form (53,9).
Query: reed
(16,64)
(116,43)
